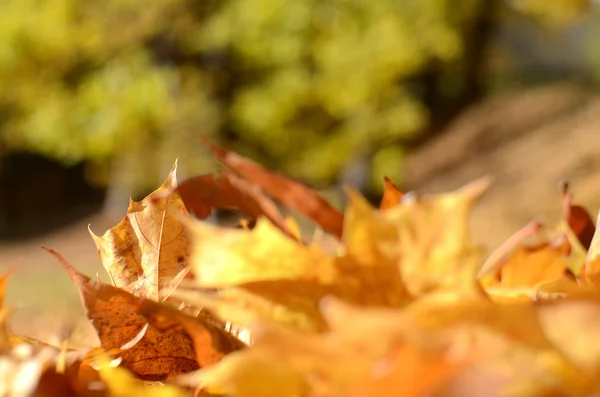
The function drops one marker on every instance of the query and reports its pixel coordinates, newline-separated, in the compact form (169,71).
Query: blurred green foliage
(298,85)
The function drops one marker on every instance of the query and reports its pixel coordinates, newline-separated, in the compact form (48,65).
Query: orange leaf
(411,372)
(533,265)
(291,193)
(119,317)
(3,282)
(392,195)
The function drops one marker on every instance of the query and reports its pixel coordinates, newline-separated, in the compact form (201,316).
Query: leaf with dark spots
(202,333)
(145,254)
(292,194)
(161,353)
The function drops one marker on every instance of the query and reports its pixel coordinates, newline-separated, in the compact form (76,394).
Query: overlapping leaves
(405,305)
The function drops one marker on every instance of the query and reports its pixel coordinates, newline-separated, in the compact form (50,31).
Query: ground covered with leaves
(403,304)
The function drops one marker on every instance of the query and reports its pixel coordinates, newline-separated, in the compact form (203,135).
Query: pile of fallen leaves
(403,305)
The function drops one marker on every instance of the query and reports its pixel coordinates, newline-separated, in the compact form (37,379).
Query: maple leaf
(292,194)
(149,348)
(274,276)
(398,309)
(474,339)
(224,257)
(386,254)
(229,192)
(433,247)
(146,254)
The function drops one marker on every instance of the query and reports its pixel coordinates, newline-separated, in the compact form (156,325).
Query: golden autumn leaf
(248,375)
(225,257)
(273,276)
(379,348)
(134,328)
(396,309)
(433,247)
(146,254)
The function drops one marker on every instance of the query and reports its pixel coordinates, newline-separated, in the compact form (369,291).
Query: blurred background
(98,99)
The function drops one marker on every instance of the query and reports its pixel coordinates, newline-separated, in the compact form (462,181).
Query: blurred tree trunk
(469,74)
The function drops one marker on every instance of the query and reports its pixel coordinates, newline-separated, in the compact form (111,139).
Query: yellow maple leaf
(146,254)
(225,257)
(433,247)
(273,276)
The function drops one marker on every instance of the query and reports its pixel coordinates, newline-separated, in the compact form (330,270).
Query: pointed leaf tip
(392,195)
(73,273)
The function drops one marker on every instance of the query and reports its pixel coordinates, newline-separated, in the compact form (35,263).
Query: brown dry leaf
(210,341)
(146,254)
(577,217)
(392,195)
(54,384)
(290,193)
(119,317)
(203,193)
